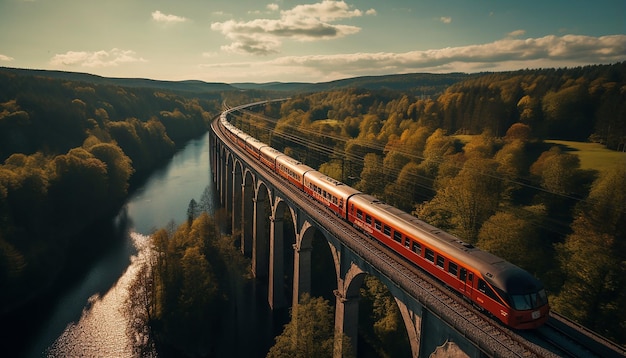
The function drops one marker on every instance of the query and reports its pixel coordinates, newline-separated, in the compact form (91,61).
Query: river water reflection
(86,320)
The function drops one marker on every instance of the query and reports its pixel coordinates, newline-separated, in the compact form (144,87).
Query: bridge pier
(346,323)
(237,199)
(247,220)
(302,259)
(260,249)
(276,294)
(413,324)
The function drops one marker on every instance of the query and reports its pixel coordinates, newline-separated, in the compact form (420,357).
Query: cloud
(272,7)
(102,58)
(445,19)
(309,22)
(516,33)
(158,16)
(5,58)
(583,49)
(505,54)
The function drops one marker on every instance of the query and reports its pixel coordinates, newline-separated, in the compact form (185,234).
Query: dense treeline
(179,300)
(69,151)
(504,188)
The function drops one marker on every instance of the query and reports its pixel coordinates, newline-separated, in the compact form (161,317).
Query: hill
(419,84)
(426,84)
(191,86)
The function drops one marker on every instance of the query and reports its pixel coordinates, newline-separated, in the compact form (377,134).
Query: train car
(230,130)
(328,191)
(241,137)
(253,146)
(506,291)
(292,170)
(269,155)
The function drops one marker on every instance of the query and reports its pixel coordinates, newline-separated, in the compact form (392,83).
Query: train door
(470,284)
(467,279)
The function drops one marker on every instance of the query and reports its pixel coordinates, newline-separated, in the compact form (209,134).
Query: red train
(507,292)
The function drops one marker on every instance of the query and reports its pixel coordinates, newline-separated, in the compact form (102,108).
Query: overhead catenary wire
(333,152)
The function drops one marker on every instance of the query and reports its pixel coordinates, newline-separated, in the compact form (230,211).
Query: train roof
(329,184)
(293,164)
(255,143)
(271,150)
(495,270)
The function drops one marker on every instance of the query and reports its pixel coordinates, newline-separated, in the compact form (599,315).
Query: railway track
(491,337)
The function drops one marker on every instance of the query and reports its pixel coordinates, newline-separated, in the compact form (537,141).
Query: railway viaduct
(262,206)
(258,202)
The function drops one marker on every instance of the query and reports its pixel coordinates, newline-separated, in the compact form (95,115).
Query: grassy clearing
(592,155)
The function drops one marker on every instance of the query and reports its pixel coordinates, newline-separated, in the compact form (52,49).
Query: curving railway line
(559,337)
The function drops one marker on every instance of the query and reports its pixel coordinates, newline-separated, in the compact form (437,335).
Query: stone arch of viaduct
(260,210)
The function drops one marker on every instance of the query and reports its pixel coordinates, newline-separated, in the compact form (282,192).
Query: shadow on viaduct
(278,228)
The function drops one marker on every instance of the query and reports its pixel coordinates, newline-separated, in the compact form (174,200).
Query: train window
(452,267)
(440,261)
(359,214)
(397,236)
(377,225)
(463,274)
(417,248)
(368,219)
(407,242)
(430,255)
(484,288)
(341,203)
(335,200)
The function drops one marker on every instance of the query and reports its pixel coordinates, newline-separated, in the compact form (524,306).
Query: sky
(307,41)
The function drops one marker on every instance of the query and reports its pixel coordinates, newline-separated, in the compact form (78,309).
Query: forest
(183,296)
(70,150)
(475,161)
(471,156)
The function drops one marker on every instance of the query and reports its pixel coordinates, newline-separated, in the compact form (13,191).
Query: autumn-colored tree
(380,321)
(185,306)
(467,200)
(372,180)
(512,165)
(514,236)
(437,146)
(411,186)
(310,333)
(592,258)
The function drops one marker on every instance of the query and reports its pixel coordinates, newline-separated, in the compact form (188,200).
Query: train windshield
(529,301)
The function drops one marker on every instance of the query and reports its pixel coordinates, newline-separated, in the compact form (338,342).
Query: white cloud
(6,58)
(158,16)
(371,12)
(302,23)
(445,19)
(102,58)
(583,49)
(505,54)
(272,7)
(516,33)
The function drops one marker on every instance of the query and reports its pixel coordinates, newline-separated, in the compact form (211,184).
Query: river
(85,318)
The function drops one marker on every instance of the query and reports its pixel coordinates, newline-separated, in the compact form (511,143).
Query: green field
(592,155)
